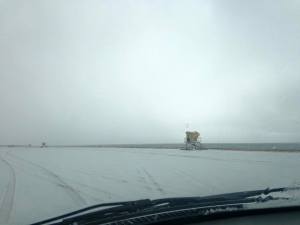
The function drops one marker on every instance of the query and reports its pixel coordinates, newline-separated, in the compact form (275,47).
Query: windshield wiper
(109,212)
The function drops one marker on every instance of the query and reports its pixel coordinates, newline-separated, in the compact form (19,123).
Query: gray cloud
(135,72)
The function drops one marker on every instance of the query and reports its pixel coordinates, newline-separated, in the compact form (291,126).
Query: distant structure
(43,145)
(192,140)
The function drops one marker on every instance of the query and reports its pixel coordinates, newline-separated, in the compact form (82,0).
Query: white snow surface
(36,184)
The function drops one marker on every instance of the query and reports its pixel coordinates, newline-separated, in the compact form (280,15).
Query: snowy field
(39,183)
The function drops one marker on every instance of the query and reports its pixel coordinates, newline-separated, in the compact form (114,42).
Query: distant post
(43,145)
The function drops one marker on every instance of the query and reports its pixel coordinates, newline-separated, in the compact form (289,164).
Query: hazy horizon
(138,144)
(117,72)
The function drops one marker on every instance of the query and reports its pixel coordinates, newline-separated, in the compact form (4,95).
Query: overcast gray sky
(88,72)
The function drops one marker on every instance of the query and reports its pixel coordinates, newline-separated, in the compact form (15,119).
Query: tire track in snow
(143,180)
(97,175)
(190,178)
(154,182)
(73,193)
(9,195)
(97,189)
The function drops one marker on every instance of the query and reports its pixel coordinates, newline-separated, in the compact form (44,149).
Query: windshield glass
(109,101)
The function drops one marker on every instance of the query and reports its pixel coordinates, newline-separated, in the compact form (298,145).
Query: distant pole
(187,125)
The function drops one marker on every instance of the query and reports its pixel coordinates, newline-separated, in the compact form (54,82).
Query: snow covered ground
(36,184)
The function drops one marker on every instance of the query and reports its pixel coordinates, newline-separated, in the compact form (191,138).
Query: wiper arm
(114,206)
(224,197)
(120,210)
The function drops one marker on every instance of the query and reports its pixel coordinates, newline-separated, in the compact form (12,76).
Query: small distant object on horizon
(44,145)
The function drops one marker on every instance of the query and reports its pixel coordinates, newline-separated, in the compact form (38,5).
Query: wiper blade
(82,212)
(119,210)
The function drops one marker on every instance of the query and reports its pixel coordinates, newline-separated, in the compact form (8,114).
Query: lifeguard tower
(192,140)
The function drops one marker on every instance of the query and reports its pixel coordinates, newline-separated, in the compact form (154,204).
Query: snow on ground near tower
(36,184)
